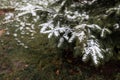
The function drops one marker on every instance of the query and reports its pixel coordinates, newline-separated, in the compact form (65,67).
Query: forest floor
(30,66)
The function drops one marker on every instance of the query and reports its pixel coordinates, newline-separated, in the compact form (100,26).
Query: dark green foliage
(51,63)
(42,60)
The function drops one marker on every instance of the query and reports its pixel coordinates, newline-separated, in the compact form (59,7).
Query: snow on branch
(63,21)
(93,49)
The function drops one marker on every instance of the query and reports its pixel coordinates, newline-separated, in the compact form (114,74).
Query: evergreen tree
(92,26)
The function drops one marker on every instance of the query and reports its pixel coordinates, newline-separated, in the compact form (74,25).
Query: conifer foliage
(93,24)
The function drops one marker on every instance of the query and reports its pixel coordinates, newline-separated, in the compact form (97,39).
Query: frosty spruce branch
(82,20)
